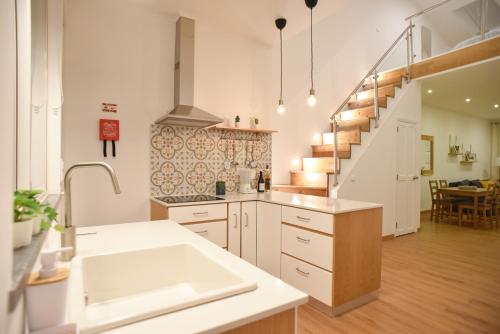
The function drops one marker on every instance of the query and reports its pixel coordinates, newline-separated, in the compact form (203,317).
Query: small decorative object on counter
(220,188)
(254,122)
(261,185)
(237,122)
(46,292)
(267,178)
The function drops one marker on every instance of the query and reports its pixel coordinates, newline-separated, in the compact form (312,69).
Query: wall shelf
(228,128)
(468,162)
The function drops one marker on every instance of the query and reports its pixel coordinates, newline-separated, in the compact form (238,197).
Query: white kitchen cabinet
(249,232)
(269,238)
(234,228)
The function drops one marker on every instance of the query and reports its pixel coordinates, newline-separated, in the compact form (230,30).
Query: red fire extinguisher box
(109,129)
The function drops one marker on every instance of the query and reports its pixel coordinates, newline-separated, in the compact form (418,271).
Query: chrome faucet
(68,238)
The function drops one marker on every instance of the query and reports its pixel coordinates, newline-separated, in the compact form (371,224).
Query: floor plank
(443,279)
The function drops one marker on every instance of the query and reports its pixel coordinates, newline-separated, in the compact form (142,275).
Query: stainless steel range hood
(184,112)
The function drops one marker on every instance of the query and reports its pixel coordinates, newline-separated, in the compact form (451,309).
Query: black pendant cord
(312,61)
(281,65)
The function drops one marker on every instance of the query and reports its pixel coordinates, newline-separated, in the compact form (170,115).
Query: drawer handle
(246,219)
(306,241)
(200,213)
(303,219)
(204,232)
(303,273)
(235,220)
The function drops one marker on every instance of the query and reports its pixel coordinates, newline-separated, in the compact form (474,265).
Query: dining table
(474,194)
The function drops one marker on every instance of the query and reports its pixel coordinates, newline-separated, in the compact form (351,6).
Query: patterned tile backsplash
(187,160)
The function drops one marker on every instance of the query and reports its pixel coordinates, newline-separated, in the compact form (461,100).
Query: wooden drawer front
(311,247)
(318,221)
(197,213)
(314,281)
(216,232)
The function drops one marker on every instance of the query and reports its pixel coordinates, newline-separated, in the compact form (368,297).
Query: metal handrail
(377,64)
(373,72)
(428,9)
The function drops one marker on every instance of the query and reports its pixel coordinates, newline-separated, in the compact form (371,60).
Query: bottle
(261,186)
(267,178)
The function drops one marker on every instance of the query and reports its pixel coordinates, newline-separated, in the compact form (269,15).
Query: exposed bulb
(311,100)
(281,108)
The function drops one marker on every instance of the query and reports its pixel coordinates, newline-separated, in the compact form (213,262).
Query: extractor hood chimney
(184,112)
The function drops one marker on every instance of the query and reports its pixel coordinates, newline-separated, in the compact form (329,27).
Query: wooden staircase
(312,178)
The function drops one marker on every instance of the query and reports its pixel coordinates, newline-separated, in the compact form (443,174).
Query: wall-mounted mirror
(427,155)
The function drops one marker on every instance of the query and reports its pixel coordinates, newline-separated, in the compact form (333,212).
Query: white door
(407,213)
(234,229)
(269,238)
(249,232)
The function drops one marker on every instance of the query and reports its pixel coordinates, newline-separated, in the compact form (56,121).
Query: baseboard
(388,237)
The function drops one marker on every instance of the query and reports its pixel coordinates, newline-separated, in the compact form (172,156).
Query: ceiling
(252,18)
(479,83)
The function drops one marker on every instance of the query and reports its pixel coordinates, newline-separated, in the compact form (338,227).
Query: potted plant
(237,122)
(26,208)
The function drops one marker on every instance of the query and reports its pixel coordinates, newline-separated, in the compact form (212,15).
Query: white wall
(122,53)
(7,147)
(373,177)
(470,131)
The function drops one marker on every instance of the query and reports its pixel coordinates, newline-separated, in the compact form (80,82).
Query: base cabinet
(269,238)
(234,228)
(249,232)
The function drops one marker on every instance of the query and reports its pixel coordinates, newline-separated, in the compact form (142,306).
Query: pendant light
(311,100)
(280,24)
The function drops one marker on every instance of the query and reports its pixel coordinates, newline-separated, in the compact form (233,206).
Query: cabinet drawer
(314,281)
(196,213)
(311,247)
(314,220)
(216,232)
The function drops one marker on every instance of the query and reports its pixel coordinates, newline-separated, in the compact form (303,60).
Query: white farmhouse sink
(125,287)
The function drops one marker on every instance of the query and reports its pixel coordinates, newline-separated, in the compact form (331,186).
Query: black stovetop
(188,198)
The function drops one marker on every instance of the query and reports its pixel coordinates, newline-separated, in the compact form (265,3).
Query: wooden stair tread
(362,123)
(387,90)
(350,136)
(382,102)
(326,151)
(294,186)
(318,164)
(303,190)
(315,179)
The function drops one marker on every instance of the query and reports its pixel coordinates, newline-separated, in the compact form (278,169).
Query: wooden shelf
(468,162)
(220,127)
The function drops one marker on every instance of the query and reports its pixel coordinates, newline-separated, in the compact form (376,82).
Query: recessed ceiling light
(429,91)
(467,100)
(496,106)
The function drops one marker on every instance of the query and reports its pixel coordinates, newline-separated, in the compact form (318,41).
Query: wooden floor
(443,279)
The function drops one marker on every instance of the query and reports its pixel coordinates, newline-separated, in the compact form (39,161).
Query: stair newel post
(408,53)
(482,17)
(375,97)
(411,45)
(335,153)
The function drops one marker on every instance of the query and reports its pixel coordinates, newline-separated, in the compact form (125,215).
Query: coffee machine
(247,175)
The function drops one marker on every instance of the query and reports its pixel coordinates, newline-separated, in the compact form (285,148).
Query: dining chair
(445,203)
(443,183)
(487,210)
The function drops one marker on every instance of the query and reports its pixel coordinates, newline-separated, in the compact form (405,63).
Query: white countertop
(316,203)
(272,295)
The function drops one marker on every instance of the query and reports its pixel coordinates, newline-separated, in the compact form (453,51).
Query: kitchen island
(271,307)
(329,248)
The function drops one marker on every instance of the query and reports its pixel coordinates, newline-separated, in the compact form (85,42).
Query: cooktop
(188,198)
